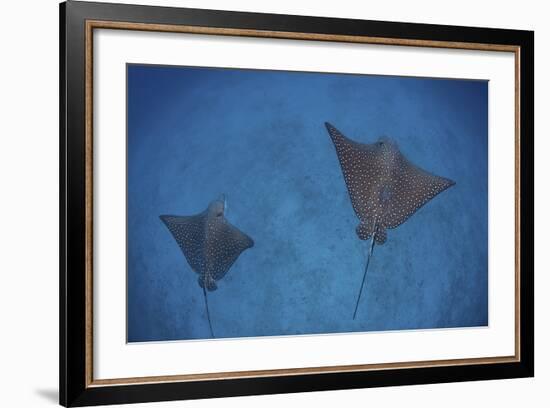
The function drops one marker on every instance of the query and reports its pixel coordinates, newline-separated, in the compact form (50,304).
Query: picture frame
(79,21)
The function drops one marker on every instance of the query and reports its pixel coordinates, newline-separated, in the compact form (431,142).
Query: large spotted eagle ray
(384,187)
(209,243)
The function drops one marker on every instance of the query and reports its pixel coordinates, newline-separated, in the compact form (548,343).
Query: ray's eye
(380,144)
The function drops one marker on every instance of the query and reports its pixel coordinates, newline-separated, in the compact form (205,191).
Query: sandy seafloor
(259,138)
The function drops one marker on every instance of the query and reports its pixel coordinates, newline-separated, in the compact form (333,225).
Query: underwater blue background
(259,137)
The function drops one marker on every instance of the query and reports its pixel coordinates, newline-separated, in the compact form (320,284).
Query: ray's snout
(217,207)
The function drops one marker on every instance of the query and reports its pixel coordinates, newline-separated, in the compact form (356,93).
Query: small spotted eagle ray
(209,243)
(385,188)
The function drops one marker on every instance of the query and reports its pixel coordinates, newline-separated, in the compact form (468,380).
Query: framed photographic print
(255,203)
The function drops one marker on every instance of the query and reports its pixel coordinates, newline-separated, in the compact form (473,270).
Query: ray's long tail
(364,276)
(207,311)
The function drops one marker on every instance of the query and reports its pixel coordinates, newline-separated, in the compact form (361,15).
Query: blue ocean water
(259,138)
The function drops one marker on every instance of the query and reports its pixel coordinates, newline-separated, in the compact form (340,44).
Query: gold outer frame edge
(88,239)
(98,24)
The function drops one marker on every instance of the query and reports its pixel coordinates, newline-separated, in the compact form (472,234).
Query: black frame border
(72,126)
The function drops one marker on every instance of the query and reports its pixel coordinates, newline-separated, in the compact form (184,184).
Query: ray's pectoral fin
(417,187)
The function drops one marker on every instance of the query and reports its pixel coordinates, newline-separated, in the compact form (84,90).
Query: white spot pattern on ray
(209,242)
(384,187)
